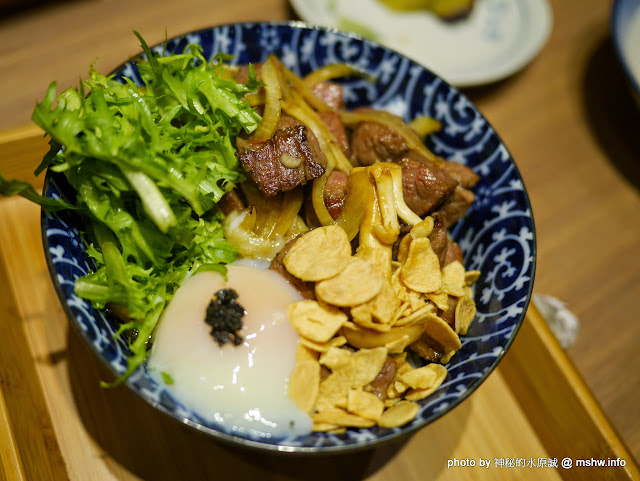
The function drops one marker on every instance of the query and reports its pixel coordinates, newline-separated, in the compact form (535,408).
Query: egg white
(244,387)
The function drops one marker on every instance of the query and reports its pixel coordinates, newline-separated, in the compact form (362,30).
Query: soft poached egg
(244,387)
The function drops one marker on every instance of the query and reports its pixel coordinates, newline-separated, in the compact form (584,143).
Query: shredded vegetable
(148,163)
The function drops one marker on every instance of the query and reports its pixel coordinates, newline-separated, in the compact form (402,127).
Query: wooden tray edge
(539,373)
(26,427)
(530,382)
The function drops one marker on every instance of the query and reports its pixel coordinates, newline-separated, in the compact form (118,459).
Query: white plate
(497,39)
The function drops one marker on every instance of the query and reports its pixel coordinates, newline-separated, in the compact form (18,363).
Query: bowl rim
(618,23)
(256,444)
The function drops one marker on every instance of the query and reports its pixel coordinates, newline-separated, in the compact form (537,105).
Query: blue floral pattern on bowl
(497,235)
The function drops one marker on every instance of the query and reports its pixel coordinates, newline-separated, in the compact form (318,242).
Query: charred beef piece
(384,378)
(457,204)
(306,289)
(331,93)
(335,193)
(295,145)
(466,177)
(371,143)
(336,127)
(428,349)
(425,186)
(449,315)
(230,202)
(453,253)
(438,237)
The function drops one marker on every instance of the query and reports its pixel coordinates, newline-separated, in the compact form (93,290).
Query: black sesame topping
(224,315)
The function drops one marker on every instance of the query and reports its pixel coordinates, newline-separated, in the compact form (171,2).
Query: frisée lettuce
(148,163)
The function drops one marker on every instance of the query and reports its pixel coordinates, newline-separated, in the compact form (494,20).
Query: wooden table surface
(567,118)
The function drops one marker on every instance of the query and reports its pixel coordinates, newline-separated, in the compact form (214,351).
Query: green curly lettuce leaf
(148,164)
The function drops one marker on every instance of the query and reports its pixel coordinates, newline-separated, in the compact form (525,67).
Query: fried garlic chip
(464,314)
(365,404)
(380,258)
(316,321)
(471,276)
(379,310)
(420,378)
(453,278)
(362,367)
(438,330)
(448,354)
(421,271)
(357,283)
(303,353)
(395,339)
(340,417)
(319,254)
(440,299)
(421,393)
(323,346)
(335,358)
(304,384)
(399,414)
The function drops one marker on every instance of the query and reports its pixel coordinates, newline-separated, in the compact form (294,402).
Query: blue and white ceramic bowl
(497,235)
(625,34)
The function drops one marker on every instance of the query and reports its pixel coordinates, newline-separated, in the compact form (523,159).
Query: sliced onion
(289,208)
(248,243)
(305,91)
(273,97)
(333,71)
(317,199)
(354,207)
(423,125)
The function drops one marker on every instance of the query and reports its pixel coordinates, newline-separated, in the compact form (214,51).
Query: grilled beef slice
(295,145)
(335,193)
(438,237)
(336,127)
(372,142)
(331,93)
(457,204)
(425,186)
(466,177)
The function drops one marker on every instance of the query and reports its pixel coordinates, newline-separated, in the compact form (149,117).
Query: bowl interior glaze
(497,235)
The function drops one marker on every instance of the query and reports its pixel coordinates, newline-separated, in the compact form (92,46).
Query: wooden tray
(57,423)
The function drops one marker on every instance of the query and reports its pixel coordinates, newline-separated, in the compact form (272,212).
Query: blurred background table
(567,118)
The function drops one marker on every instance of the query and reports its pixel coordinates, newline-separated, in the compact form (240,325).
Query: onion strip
(266,209)
(291,203)
(423,125)
(371,219)
(354,207)
(317,199)
(305,91)
(332,71)
(295,103)
(299,109)
(273,98)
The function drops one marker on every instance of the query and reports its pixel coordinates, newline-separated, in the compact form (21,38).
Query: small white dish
(497,39)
